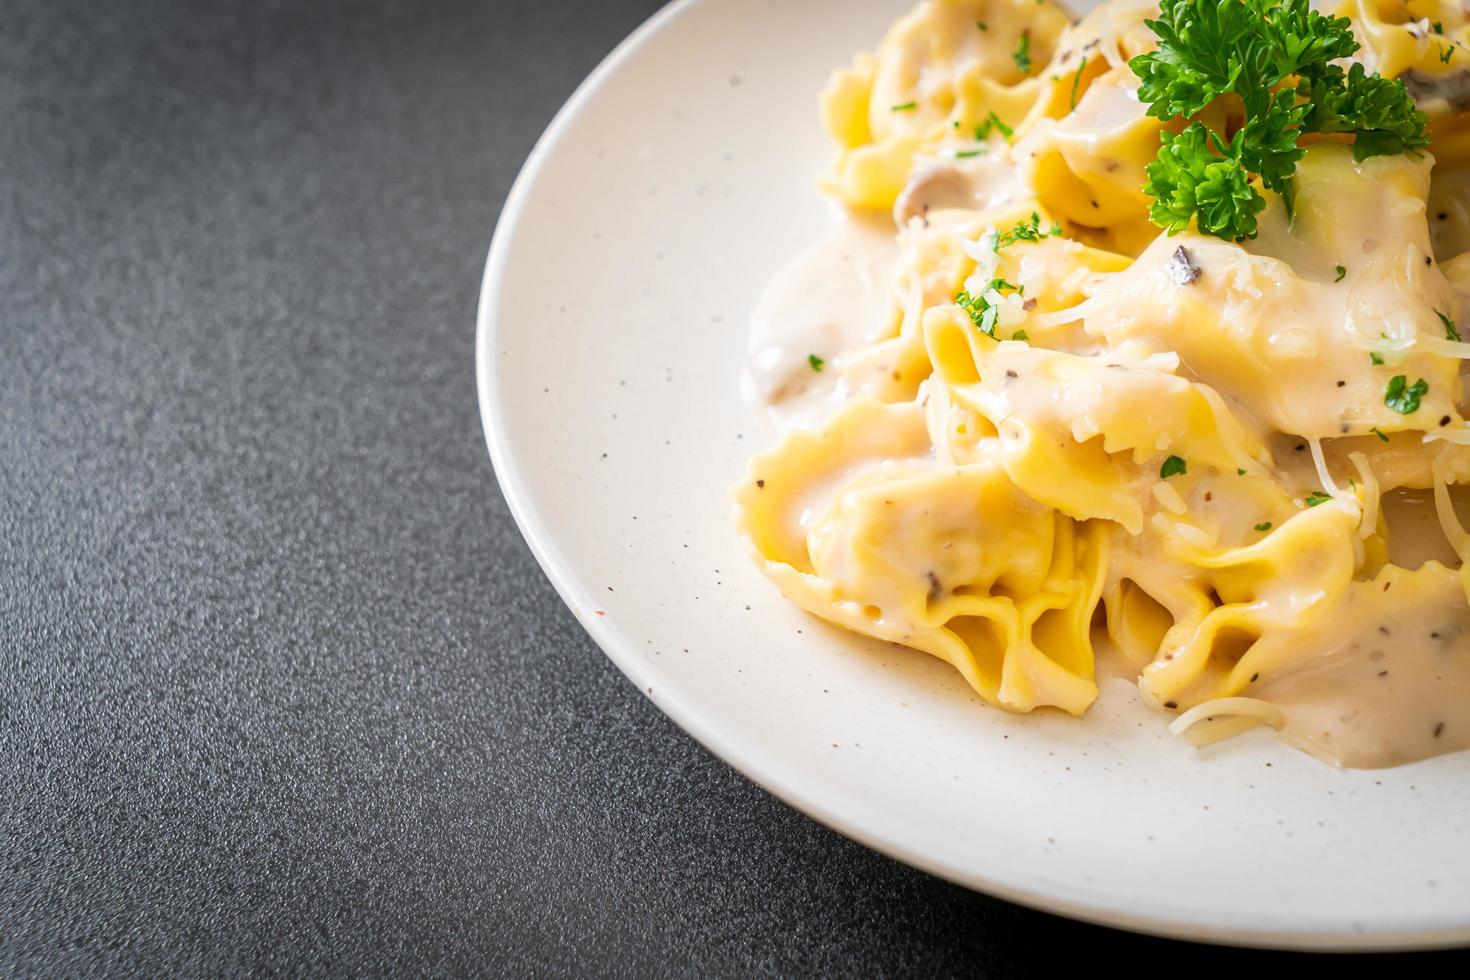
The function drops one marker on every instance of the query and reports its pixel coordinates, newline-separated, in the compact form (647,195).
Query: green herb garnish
(1341,271)
(992,122)
(1022,55)
(981,311)
(1317,497)
(1404,398)
(1379,433)
(1173,466)
(905,106)
(1276,58)
(1449,327)
(1263,526)
(816,362)
(1376,357)
(1021,335)
(1029,230)
(1076,80)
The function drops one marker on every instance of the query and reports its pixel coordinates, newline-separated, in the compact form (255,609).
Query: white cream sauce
(1414,532)
(1394,689)
(979,183)
(831,299)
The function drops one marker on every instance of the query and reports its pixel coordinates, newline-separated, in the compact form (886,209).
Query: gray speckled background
(281,689)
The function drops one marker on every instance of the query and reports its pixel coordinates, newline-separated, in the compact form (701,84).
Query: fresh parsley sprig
(1275,57)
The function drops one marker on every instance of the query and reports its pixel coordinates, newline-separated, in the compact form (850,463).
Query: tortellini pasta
(1078,437)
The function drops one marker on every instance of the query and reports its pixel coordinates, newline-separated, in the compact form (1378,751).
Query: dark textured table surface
(281,688)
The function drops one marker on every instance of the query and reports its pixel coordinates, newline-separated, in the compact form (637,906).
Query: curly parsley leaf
(1268,141)
(1274,56)
(1173,466)
(1195,62)
(1379,112)
(1194,178)
(1208,48)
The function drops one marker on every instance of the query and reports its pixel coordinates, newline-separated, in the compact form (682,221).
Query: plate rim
(724,744)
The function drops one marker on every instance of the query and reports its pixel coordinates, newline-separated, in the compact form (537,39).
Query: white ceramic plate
(611,336)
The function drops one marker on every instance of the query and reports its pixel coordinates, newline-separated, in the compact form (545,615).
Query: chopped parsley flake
(1446,54)
(1029,230)
(816,362)
(905,106)
(1376,357)
(1240,471)
(966,154)
(1449,326)
(1022,55)
(1076,80)
(1341,271)
(1379,433)
(1173,466)
(1020,335)
(982,25)
(980,310)
(1317,497)
(992,122)
(1402,397)
(1263,526)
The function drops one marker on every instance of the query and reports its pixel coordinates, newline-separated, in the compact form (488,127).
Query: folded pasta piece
(1399,40)
(866,530)
(937,78)
(1311,322)
(1224,602)
(1086,435)
(1087,165)
(1370,682)
(1241,460)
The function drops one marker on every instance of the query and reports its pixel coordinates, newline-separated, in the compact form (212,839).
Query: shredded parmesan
(1198,537)
(1058,318)
(1459,436)
(1449,522)
(1369,522)
(1445,347)
(983,252)
(1321,465)
(1169,497)
(1223,718)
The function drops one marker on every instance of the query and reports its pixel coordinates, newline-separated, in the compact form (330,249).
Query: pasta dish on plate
(1137,351)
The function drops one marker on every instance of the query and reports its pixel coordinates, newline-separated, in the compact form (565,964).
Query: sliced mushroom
(1451,88)
(930,188)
